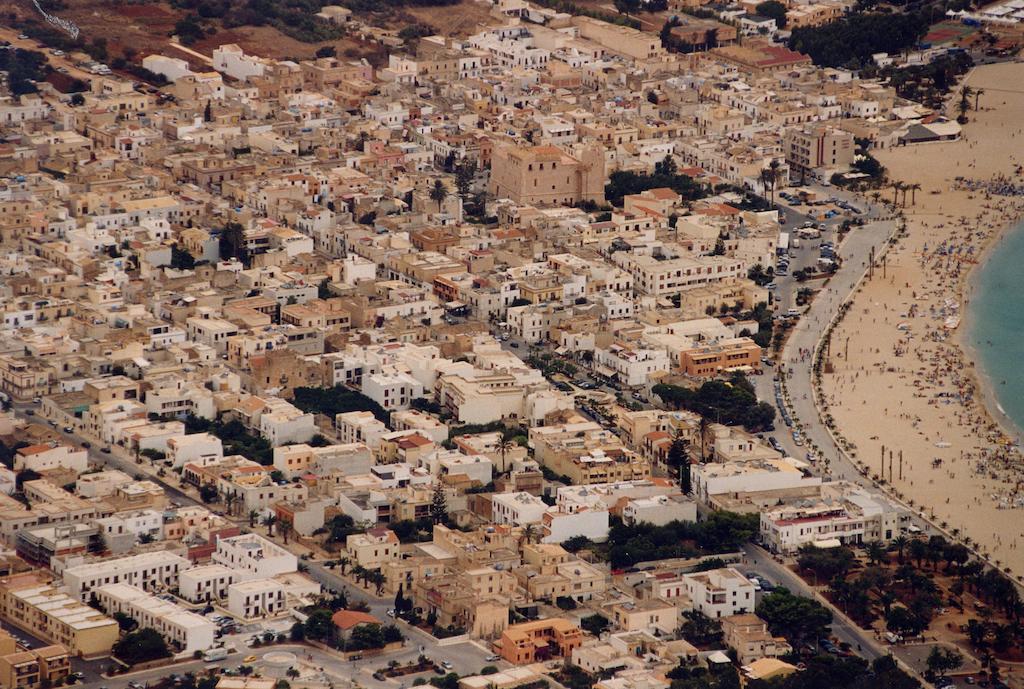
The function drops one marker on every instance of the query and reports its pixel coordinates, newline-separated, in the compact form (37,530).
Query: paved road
(113,460)
(855,252)
(336,669)
(760,561)
(465,657)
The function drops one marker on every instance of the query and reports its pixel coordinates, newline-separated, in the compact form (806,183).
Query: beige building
(373,548)
(547,175)
(748,635)
(819,147)
(29,602)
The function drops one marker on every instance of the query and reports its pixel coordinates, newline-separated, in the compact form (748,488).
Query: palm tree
(895,186)
(913,193)
(285,527)
(503,446)
(343,564)
(527,535)
(770,177)
(438,193)
(252,518)
(978,93)
(901,543)
(269,522)
(702,429)
(875,551)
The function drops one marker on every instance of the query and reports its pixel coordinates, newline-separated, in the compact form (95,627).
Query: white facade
(187,630)
(720,592)
(197,448)
(43,457)
(632,366)
(254,557)
(517,509)
(156,571)
(206,583)
(392,391)
(256,598)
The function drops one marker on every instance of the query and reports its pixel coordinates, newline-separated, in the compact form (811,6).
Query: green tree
(773,9)
(141,646)
(797,618)
(943,660)
(319,625)
(439,505)
(438,193)
(464,174)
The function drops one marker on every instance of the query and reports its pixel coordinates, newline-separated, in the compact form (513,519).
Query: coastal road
(845,630)
(804,336)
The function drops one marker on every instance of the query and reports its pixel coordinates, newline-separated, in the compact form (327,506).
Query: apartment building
(254,557)
(156,571)
(662,276)
(719,593)
(31,668)
(630,365)
(843,513)
(185,630)
(818,150)
(748,635)
(206,583)
(256,598)
(709,360)
(372,549)
(28,601)
(539,640)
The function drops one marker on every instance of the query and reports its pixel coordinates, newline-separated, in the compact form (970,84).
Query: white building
(517,509)
(844,513)
(156,571)
(360,427)
(206,583)
(187,630)
(44,457)
(660,510)
(392,390)
(753,476)
(287,424)
(630,366)
(197,448)
(720,592)
(256,598)
(254,557)
(170,67)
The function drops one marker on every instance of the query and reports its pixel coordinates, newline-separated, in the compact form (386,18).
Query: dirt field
(146,28)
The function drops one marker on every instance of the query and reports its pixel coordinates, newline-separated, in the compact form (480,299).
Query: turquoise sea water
(995,320)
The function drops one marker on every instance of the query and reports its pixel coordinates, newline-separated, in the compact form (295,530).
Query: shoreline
(909,387)
(983,380)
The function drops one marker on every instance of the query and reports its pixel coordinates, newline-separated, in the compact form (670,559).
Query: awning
(827,543)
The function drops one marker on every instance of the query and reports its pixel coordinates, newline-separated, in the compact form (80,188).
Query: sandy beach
(909,384)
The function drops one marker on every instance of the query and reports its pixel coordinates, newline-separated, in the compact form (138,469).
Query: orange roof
(34,449)
(347,619)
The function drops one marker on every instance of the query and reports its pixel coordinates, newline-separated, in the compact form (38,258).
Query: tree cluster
(797,618)
(852,41)
(732,402)
(624,182)
(336,400)
(721,532)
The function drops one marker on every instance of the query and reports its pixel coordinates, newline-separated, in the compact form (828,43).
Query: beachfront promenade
(807,333)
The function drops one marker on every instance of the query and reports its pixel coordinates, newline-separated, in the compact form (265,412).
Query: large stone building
(547,175)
